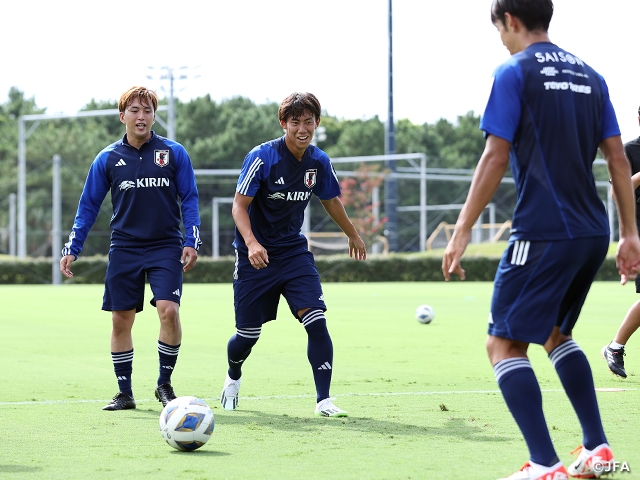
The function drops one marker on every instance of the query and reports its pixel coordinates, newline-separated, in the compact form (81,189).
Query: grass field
(422,399)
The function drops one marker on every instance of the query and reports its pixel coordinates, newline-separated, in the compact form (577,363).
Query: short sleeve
(502,113)
(251,174)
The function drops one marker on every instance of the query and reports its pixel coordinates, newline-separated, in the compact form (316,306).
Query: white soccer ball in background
(425,314)
(186,423)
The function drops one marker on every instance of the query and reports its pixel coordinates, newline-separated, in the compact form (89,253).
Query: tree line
(218,136)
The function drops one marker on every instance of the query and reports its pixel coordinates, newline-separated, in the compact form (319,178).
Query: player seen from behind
(547,114)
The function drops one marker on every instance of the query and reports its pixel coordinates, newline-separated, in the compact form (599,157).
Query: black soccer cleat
(615,360)
(121,401)
(164,393)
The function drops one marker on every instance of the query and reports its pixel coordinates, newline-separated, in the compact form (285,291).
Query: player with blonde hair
(153,190)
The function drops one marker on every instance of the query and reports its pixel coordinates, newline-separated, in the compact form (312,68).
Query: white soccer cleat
(326,408)
(592,463)
(533,471)
(229,396)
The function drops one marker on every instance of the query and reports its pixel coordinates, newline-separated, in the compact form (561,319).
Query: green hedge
(335,268)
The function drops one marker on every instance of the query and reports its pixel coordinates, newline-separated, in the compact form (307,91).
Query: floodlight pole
(170,74)
(390,181)
(22,188)
(172,116)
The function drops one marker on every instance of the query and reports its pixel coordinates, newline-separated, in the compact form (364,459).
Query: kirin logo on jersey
(147,182)
(126,185)
(161,158)
(310,178)
(291,196)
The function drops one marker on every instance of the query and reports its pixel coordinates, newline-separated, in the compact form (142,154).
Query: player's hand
(65,265)
(357,248)
(453,253)
(628,258)
(258,256)
(190,255)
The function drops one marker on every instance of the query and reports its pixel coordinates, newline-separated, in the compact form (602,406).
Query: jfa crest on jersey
(310,177)
(161,157)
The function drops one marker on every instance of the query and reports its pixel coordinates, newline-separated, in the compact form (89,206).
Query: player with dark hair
(152,185)
(547,115)
(272,256)
(614,352)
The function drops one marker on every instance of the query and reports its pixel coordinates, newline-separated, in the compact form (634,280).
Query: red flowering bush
(357,197)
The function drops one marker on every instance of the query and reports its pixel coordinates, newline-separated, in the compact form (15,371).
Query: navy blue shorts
(541,285)
(256,293)
(125,280)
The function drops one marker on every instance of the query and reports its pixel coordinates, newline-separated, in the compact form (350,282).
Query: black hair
(535,15)
(296,104)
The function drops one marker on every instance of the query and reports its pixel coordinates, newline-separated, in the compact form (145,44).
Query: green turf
(422,399)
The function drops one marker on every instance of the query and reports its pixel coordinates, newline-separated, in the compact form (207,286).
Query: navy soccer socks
(574,371)
(239,348)
(319,351)
(522,394)
(123,367)
(168,356)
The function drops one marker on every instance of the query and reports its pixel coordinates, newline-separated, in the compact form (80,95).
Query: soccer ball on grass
(425,314)
(186,423)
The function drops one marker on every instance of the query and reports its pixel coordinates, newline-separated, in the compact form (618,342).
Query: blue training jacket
(150,188)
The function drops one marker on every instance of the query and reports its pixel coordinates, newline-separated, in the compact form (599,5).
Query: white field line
(279,397)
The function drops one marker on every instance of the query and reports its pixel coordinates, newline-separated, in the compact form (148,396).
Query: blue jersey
(555,110)
(282,186)
(150,188)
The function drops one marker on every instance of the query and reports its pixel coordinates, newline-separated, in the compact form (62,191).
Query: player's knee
(555,339)
(122,321)
(499,349)
(169,312)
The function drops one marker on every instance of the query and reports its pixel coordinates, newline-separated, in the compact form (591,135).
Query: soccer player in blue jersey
(614,352)
(547,115)
(152,184)
(272,256)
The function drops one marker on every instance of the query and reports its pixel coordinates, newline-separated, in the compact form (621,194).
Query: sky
(63,54)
